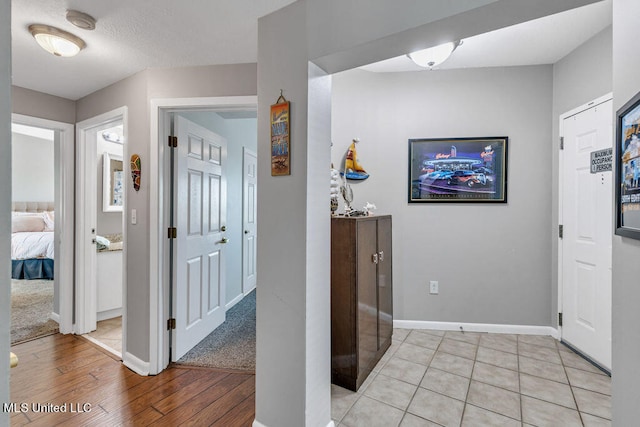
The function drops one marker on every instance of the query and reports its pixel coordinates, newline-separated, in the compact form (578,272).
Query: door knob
(224,240)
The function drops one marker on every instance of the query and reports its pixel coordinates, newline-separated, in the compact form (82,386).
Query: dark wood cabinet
(361,296)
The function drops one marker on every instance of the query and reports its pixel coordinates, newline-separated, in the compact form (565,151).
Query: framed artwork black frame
(460,170)
(627,158)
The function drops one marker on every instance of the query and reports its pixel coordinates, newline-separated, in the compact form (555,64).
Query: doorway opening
(101,230)
(230,121)
(42,227)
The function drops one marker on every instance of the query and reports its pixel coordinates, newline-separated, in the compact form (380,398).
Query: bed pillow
(49,224)
(27,223)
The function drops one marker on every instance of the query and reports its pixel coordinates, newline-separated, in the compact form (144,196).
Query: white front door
(200,217)
(586,216)
(249,197)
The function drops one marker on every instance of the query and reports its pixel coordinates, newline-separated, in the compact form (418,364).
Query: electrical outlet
(433,287)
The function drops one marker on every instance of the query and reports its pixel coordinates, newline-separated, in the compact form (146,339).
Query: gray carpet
(31,306)
(233,344)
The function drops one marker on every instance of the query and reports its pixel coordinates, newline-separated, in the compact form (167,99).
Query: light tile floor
(109,335)
(437,378)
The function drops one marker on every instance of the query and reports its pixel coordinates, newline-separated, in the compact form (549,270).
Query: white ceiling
(132,35)
(541,41)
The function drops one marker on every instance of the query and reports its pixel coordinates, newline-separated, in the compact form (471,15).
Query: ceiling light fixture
(433,56)
(56,41)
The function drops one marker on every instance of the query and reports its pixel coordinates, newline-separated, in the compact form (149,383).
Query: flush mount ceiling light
(56,41)
(433,56)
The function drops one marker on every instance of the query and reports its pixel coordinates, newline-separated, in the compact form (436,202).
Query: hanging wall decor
(627,176)
(280,137)
(458,170)
(135,171)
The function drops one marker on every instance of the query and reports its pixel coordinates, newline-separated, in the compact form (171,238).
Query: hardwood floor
(95,389)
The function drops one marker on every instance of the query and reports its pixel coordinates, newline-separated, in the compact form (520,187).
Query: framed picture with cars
(458,170)
(627,173)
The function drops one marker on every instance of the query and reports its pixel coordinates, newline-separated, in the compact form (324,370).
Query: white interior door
(200,216)
(249,194)
(587,201)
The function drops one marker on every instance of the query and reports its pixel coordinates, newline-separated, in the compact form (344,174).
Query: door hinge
(559,319)
(173,141)
(562,142)
(560,231)
(171,324)
(172,233)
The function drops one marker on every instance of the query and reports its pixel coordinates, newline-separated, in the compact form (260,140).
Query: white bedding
(32,245)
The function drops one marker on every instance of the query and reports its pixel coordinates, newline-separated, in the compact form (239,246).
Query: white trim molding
(158,210)
(233,302)
(136,365)
(256,423)
(478,327)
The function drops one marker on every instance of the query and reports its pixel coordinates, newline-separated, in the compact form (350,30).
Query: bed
(32,242)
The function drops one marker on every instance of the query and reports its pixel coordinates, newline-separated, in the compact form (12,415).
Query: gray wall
(239,133)
(281,323)
(286,40)
(626,252)
(491,260)
(578,78)
(42,105)
(135,93)
(5,201)
(32,163)
(132,93)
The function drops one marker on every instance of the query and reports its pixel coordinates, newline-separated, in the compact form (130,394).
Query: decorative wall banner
(458,170)
(280,138)
(135,171)
(628,169)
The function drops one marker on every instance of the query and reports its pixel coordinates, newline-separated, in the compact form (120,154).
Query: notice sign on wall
(601,160)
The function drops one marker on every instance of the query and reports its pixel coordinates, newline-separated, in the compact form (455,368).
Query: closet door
(385,294)
(367,301)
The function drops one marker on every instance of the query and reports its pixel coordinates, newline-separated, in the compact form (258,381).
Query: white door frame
(573,112)
(247,288)
(86,291)
(64,207)
(159,211)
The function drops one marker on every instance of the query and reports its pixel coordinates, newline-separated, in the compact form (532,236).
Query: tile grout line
(564,368)
(421,379)
(466,398)
(519,381)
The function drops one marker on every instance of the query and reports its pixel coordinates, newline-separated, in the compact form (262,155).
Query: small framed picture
(458,170)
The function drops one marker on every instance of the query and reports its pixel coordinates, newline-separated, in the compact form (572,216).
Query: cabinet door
(385,293)
(367,296)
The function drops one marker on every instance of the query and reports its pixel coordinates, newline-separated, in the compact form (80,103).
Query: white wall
(239,133)
(32,162)
(626,252)
(491,260)
(5,201)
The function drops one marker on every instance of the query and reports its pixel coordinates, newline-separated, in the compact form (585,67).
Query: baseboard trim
(256,423)
(108,314)
(478,327)
(136,365)
(233,302)
(55,317)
